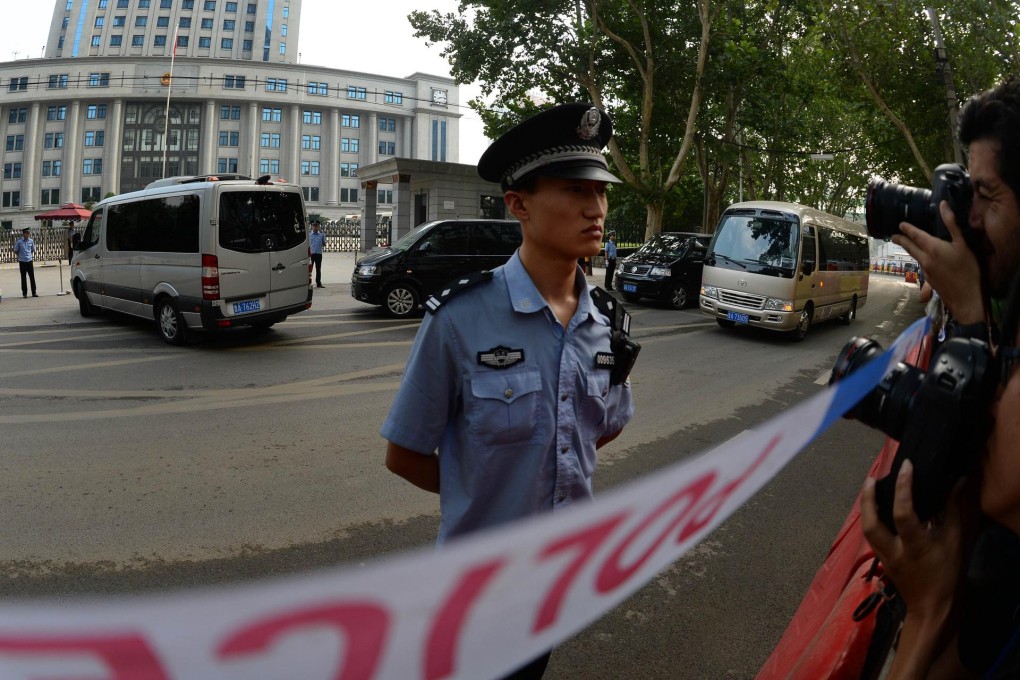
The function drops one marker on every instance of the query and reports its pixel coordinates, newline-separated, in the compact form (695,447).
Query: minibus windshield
(763,245)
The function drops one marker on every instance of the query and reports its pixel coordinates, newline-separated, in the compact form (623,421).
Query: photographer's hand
(926,565)
(950,266)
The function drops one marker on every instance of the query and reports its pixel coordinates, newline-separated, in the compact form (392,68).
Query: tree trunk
(653,222)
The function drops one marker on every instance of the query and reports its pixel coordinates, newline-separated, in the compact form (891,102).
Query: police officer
(508,391)
(316,242)
(610,259)
(25,250)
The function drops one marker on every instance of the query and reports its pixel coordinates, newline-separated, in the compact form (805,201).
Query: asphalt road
(133,466)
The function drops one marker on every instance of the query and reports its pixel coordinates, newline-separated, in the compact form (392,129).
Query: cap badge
(589,126)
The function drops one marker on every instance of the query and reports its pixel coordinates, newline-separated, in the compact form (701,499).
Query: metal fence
(52,243)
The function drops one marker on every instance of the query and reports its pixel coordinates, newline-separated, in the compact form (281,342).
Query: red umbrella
(69,212)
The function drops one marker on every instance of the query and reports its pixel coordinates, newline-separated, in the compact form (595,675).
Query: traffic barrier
(477,608)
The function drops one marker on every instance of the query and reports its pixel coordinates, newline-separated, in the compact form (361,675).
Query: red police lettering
(585,542)
(613,573)
(445,633)
(128,657)
(365,626)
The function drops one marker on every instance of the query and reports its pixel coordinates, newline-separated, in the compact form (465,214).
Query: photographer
(928,561)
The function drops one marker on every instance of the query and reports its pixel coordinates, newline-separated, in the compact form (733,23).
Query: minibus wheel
(803,324)
(85,308)
(851,313)
(170,322)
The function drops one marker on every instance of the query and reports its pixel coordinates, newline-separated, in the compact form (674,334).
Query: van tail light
(210,277)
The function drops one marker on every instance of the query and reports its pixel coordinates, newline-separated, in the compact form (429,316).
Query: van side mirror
(808,268)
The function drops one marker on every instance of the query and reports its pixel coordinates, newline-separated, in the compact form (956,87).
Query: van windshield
(667,245)
(759,244)
(261,221)
(410,237)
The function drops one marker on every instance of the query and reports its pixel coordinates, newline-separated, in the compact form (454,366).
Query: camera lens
(889,204)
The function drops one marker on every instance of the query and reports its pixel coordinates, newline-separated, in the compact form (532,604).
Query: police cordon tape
(478,608)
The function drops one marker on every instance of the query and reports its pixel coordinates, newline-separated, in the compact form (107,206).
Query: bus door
(807,276)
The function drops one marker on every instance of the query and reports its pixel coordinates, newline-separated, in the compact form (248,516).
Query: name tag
(605,360)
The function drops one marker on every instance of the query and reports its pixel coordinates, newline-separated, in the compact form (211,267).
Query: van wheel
(631,297)
(401,300)
(170,322)
(798,333)
(85,308)
(677,297)
(851,313)
(726,323)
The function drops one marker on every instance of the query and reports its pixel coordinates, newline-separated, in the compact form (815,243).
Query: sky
(371,37)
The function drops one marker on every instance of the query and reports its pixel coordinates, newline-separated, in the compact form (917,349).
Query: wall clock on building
(439,97)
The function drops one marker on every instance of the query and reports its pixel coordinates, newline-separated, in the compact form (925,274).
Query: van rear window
(261,221)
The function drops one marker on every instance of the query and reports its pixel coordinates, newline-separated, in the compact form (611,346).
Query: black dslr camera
(889,204)
(940,418)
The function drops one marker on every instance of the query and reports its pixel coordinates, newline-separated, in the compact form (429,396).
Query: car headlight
(779,305)
(659,271)
(710,292)
(367,270)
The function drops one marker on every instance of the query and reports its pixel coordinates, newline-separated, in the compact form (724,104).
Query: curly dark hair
(995,115)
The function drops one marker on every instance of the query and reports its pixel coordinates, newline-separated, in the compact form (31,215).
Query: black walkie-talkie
(625,350)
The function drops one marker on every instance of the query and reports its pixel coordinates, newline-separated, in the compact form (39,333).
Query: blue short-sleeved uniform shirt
(512,400)
(610,250)
(25,249)
(316,240)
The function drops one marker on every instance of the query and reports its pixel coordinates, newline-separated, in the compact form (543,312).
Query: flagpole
(166,115)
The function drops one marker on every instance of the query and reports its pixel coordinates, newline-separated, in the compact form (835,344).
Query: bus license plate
(629,288)
(739,318)
(247,306)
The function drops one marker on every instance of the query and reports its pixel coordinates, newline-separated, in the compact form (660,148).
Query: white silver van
(784,266)
(197,253)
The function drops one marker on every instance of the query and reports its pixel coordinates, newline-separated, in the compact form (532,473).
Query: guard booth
(423,191)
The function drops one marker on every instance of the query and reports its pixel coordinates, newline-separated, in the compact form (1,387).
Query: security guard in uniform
(518,375)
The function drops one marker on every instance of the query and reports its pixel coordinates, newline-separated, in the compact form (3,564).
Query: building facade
(86,122)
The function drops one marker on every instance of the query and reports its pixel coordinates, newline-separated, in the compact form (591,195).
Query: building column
(30,172)
(401,205)
(294,153)
(115,146)
(206,140)
(331,173)
(71,187)
(406,148)
(368,221)
(253,128)
(373,137)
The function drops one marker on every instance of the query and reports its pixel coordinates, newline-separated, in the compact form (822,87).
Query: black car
(667,268)
(400,277)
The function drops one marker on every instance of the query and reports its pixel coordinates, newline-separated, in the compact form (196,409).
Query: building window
(387,124)
(92,166)
(269,166)
(249,27)
(143,4)
(230,138)
(283,30)
(99,80)
(205,42)
(141,22)
(233,82)
(15,142)
(12,170)
(12,199)
(121,4)
(393,97)
(209,5)
(311,193)
(246,45)
(308,117)
(188,4)
(50,197)
(230,113)
(226,165)
(348,195)
(348,169)
(97,40)
(91,194)
(276,84)
(207,24)
(18,84)
(318,88)
(283,48)
(272,115)
(269,140)
(251,8)
(159,41)
(119,21)
(58,81)
(17,115)
(53,140)
(356,92)
(312,142)
(185,22)
(100,21)
(228,24)
(94,137)
(52,168)
(231,7)
(349,144)
(166,4)
(116,40)
(182,41)
(137,40)
(350,120)
(95,111)
(387,148)
(56,112)
(102,4)
(384,196)
(226,43)
(162,22)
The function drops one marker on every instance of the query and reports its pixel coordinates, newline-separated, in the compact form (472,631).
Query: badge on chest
(500,357)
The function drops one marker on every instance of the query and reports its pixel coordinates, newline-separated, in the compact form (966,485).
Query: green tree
(642,60)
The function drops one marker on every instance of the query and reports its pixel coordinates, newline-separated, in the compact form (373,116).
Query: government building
(129,91)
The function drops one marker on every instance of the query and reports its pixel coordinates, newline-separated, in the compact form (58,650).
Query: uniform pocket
(505,405)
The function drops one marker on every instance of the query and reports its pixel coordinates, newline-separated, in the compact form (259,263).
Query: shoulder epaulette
(436,300)
(619,319)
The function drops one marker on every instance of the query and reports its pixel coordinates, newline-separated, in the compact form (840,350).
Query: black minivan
(428,257)
(667,267)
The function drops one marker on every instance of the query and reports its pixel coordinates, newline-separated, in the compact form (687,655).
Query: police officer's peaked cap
(26,230)
(563,141)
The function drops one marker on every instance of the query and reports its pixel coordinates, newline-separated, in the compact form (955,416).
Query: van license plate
(629,288)
(247,306)
(739,318)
